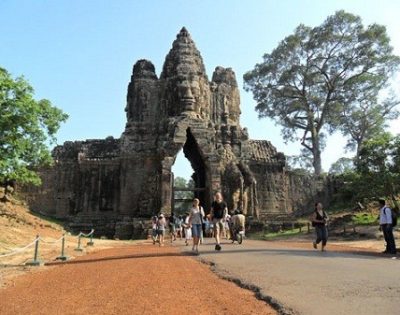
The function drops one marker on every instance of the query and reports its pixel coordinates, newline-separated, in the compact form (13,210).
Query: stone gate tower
(131,177)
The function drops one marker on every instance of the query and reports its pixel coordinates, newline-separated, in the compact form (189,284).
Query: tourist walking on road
(319,220)
(386,226)
(178,226)
(188,230)
(196,221)
(219,210)
(161,226)
(154,229)
(172,227)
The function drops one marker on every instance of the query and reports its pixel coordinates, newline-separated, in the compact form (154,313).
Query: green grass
(365,219)
(275,235)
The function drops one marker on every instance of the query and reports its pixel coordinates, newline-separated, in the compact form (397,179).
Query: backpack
(394,216)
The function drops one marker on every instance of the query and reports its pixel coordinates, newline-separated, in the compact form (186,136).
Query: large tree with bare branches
(314,76)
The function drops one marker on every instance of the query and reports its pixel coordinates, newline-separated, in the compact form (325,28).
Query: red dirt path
(140,279)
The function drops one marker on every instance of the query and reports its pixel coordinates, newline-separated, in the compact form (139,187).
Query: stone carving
(113,182)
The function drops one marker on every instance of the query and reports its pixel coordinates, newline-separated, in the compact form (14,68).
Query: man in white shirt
(385,222)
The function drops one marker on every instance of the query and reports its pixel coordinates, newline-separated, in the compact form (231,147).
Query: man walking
(386,224)
(219,211)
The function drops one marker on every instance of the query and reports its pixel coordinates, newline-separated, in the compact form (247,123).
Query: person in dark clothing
(386,226)
(319,220)
(172,227)
(219,210)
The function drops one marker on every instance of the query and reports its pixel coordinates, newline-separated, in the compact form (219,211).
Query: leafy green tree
(180,182)
(305,83)
(342,166)
(377,170)
(27,126)
(366,119)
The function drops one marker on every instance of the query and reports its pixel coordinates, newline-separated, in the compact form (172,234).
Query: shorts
(218,226)
(161,232)
(154,233)
(196,230)
(172,228)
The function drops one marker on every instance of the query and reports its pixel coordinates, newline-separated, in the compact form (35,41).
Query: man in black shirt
(219,210)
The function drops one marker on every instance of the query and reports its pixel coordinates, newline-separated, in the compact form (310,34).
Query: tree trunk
(358,151)
(316,151)
(317,159)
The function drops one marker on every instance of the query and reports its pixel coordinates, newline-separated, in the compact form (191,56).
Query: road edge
(271,301)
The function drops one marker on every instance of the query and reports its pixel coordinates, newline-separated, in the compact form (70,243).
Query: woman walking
(319,220)
(187,229)
(161,225)
(195,221)
(154,229)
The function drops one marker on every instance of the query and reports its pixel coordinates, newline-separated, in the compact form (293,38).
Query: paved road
(312,282)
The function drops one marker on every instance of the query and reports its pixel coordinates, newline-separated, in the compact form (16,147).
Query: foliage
(314,75)
(26,127)
(182,206)
(342,166)
(277,235)
(365,219)
(366,119)
(377,169)
(300,164)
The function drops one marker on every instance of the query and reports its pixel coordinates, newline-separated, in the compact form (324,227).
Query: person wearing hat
(161,225)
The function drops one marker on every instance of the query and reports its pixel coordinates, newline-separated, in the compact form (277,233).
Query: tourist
(172,228)
(238,222)
(161,226)
(319,221)
(196,221)
(227,227)
(219,210)
(154,229)
(386,226)
(178,226)
(187,228)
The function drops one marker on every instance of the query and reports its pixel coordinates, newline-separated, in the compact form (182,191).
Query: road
(309,281)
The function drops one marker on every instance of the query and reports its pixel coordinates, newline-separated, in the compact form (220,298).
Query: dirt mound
(18,226)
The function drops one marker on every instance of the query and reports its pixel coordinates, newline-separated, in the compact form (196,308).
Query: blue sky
(79,54)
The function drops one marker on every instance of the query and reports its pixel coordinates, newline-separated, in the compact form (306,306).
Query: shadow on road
(119,257)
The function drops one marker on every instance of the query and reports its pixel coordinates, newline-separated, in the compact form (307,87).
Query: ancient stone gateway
(108,183)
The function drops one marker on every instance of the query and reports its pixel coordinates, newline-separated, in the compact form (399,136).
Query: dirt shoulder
(136,279)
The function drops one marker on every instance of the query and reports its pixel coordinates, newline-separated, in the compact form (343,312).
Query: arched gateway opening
(181,197)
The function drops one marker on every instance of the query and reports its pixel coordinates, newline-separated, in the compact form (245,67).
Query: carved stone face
(188,89)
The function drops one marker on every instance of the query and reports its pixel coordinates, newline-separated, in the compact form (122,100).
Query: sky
(80,54)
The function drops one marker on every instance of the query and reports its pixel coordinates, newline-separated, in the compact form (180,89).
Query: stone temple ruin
(110,184)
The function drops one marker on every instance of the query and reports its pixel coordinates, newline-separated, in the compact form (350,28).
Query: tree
(180,182)
(366,119)
(27,127)
(308,80)
(342,166)
(376,172)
